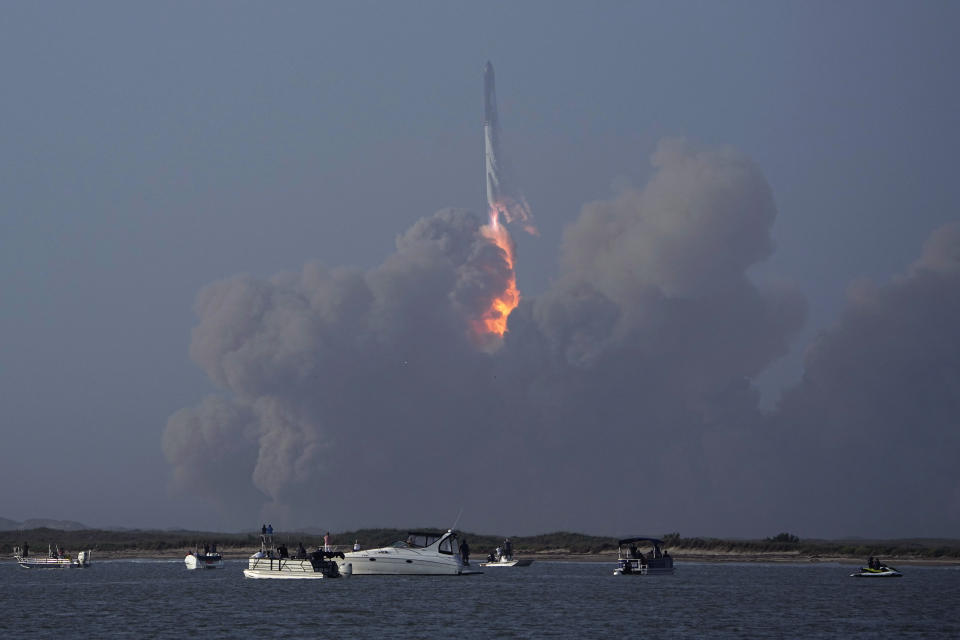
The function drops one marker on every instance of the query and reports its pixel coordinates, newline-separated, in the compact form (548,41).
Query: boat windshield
(419,540)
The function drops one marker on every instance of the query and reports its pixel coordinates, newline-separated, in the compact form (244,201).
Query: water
(161,599)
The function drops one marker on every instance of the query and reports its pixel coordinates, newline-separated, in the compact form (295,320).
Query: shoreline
(680,555)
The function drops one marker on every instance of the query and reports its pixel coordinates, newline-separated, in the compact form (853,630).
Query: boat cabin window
(449,546)
(421,539)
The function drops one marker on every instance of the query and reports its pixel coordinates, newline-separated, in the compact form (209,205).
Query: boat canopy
(657,541)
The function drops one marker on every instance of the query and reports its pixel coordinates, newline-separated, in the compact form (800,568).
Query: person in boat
(490,557)
(508,548)
(263,529)
(634,553)
(643,558)
(269,529)
(301,551)
(465,551)
(498,554)
(326,541)
(26,550)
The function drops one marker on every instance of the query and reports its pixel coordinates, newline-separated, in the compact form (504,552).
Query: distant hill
(41,523)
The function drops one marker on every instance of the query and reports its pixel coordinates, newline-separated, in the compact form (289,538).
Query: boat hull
(294,569)
(644,572)
(47,563)
(526,562)
(36,562)
(281,575)
(634,567)
(387,562)
(889,573)
(203,562)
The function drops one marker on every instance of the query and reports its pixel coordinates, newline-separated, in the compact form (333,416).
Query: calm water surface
(161,599)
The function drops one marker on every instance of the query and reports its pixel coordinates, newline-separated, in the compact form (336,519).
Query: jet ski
(882,572)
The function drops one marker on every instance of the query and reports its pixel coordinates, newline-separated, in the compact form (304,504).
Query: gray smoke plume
(873,429)
(621,399)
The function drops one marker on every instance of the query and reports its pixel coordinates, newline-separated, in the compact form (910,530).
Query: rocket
(491,134)
(504,200)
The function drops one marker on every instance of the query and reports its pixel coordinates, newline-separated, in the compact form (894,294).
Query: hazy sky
(728,194)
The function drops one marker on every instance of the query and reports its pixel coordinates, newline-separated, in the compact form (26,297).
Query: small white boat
(882,572)
(422,553)
(503,557)
(505,562)
(206,559)
(55,559)
(632,561)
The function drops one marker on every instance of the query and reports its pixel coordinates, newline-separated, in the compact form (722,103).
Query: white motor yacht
(422,553)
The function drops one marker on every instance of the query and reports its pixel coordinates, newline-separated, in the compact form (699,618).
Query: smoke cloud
(619,400)
(875,422)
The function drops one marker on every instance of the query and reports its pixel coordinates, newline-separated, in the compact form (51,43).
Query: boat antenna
(457,520)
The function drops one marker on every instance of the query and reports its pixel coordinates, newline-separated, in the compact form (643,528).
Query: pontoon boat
(632,561)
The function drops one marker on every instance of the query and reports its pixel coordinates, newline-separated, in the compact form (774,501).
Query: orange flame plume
(494,319)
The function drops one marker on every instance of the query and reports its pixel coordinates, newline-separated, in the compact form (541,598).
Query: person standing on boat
(508,549)
(326,541)
(26,549)
(465,551)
